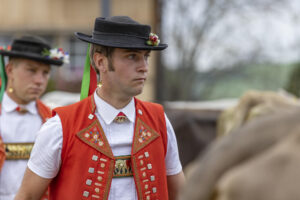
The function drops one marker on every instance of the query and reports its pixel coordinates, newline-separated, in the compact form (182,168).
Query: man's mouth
(140,79)
(35,90)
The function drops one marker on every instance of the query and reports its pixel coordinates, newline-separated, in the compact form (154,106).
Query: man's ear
(8,69)
(101,62)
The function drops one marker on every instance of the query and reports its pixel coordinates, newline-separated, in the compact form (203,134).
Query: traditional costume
(92,150)
(19,124)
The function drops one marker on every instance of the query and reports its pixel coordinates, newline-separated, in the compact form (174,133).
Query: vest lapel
(143,134)
(94,136)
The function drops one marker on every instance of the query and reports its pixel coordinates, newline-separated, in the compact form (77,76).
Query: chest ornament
(18,151)
(122,167)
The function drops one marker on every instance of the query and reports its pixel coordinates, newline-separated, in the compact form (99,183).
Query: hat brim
(120,41)
(31,57)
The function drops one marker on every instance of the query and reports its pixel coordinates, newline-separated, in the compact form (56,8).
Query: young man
(110,145)
(22,114)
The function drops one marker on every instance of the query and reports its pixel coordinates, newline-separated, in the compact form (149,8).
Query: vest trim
(143,135)
(137,178)
(94,136)
(109,179)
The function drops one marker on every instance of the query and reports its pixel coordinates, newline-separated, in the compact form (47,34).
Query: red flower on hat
(8,48)
(153,40)
(56,54)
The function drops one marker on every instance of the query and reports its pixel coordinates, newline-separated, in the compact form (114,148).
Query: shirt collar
(108,112)
(10,105)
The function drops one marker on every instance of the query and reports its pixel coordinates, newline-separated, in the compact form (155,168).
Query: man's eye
(132,56)
(46,73)
(31,70)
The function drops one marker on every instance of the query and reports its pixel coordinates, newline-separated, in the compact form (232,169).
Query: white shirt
(45,158)
(16,128)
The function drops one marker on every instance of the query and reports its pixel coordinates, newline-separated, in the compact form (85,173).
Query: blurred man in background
(22,113)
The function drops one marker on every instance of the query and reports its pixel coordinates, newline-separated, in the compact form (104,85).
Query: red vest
(44,111)
(88,162)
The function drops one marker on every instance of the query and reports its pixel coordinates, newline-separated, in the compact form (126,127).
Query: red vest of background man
(88,163)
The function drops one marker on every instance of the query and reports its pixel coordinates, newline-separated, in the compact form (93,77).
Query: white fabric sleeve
(173,165)
(45,158)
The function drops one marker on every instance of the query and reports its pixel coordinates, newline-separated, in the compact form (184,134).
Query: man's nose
(143,66)
(39,78)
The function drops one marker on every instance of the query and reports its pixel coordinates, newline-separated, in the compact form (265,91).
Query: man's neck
(115,101)
(16,99)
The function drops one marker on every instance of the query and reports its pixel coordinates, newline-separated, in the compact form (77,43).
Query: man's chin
(30,98)
(138,92)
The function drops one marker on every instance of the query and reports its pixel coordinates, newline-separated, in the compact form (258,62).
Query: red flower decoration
(153,40)
(8,48)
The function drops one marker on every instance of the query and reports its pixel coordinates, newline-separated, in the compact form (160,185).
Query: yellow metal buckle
(18,151)
(122,167)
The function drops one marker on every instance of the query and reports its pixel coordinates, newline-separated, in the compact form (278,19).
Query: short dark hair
(106,51)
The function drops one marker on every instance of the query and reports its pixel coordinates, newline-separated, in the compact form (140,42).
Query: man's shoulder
(147,103)
(75,107)
(154,108)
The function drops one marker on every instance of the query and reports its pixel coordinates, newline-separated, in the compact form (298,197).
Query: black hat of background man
(120,32)
(30,47)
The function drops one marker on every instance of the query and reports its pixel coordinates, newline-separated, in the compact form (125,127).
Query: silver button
(146,154)
(91,116)
(95,158)
(91,170)
(152,178)
(149,166)
(154,189)
(88,182)
(140,111)
(86,193)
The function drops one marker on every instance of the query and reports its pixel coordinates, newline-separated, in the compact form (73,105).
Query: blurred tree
(293,86)
(212,35)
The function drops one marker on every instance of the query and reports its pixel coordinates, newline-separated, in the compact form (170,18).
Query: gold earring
(10,90)
(99,84)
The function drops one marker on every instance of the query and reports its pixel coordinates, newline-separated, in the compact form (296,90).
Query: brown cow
(272,175)
(240,147)
(251,105)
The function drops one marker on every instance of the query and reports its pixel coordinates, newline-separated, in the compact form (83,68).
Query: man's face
(130,69)
(28,79)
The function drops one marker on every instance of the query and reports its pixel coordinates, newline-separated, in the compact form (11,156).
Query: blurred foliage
(63,85)
(51,86)
(225,40)
(229,82)
(293,85)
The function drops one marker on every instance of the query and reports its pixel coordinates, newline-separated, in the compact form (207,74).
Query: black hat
(122,32)
(33,48)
